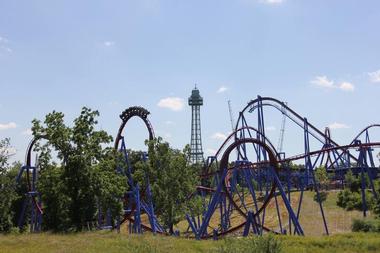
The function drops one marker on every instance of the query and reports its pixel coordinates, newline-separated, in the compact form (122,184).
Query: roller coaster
(247,186)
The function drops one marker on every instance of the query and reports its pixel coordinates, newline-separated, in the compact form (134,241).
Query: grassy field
(338,220)
(112,242)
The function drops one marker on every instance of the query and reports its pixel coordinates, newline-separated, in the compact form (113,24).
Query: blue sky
(322,57)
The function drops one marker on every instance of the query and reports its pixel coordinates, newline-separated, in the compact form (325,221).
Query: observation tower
(195,101)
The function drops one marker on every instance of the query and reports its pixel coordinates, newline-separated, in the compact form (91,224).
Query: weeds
(258,244)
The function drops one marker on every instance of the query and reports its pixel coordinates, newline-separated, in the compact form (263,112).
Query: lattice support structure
(196,101)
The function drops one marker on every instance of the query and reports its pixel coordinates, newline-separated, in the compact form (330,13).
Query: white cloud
(211,151)
(337,125)
(4,45)
(346,86)
(3,40)
(270,128)
(27,132)
(219,136)
(222,89)
(172,103)
(323,81)
(7,126)
(374,76)
(6,49)
(109,43)
(272,1)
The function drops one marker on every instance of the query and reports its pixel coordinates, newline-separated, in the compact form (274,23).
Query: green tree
(173,180)
(353,182)
(7,190)
(322,179)
(376,202)
(85,175)
(55,201)
(351,197)
(321,176)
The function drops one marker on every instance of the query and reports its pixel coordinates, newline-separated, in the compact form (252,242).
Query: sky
(321,57)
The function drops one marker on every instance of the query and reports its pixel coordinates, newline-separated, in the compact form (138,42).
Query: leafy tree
(322,179)
(7,188)
(4,154)
(321,176)
(173,179)
(55,201)
(351,197)
(353,182)
(376,204)
(86,174)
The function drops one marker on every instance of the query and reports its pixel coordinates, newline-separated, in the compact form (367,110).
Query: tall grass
(110,242)
(264,244)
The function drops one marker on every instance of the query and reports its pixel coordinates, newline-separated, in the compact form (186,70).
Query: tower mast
(196,101)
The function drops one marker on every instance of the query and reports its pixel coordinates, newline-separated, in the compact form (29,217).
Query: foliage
(110,242)
(376,208)
(351,197)
(366,225)
(173,179)
(376,204)
(4,154)
(257,244)
(353,200)
(321,176)
(349,200)
(85,175)
(7,189)
(55,202)
(353,182)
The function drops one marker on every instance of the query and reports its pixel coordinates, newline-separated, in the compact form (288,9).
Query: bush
(348,200)
(258,244)
(365,225)
(376,208)
(353,200)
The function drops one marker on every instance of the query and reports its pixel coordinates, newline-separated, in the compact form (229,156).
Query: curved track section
(140,200)
(336,159)
(33,198)
(283,108)
(135,111)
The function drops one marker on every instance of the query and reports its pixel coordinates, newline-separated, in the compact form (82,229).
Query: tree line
(77,175)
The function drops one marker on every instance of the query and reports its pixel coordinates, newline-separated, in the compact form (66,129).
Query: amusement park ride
(248,186)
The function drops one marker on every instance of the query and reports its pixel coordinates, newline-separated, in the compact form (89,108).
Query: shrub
(376,208)
(349,200)
(365,225)
(258,244)
(353,200)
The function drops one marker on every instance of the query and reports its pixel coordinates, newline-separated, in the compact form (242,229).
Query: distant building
(195,101)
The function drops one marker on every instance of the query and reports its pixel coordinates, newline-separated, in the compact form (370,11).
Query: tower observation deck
(195,101)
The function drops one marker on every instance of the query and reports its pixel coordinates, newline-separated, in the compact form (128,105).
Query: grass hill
(339,223)
(111,242)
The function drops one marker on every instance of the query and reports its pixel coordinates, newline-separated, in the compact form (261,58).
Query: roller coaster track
(223,169)
(125,116)
(291,114)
